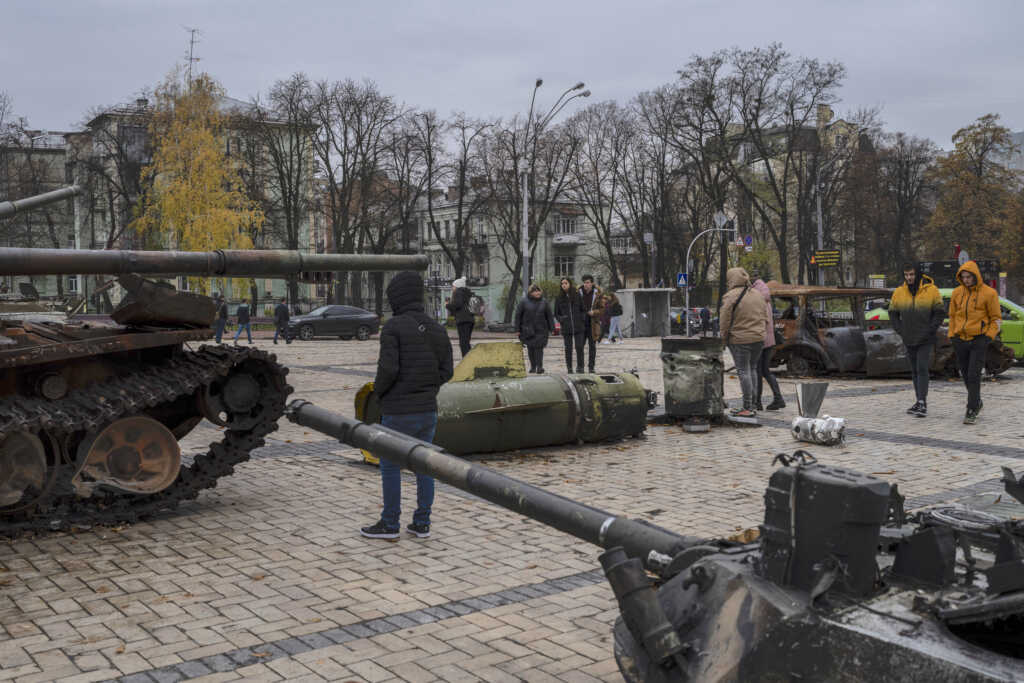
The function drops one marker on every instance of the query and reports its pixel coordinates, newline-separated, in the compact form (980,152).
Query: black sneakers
(971,417)
(379,530)
(419,530)
(912,410)
(776,404)
(919,409)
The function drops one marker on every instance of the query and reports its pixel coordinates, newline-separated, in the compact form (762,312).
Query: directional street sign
(681,279)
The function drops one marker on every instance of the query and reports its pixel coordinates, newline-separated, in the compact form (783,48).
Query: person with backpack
(459,307)
(572,317)
(415,360)
(614,308)
(742,322)
(534,322)
(243,321)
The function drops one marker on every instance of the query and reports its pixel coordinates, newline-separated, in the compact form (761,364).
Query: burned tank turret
(91,412)
(838,586)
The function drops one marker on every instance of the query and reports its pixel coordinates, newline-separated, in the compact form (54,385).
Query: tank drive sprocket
(91,458)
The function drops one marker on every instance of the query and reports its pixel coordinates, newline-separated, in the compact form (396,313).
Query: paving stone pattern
(266,577)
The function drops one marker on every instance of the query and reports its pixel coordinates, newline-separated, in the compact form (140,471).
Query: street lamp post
(555,108)
(721,220)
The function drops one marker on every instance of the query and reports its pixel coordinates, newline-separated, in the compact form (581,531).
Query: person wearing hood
(742,320)
(574,321)
(764,365)
(458,306)
(974,320)
(916,312)
(415,360)
(534,322)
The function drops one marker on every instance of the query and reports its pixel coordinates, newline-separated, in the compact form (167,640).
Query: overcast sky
(932,66)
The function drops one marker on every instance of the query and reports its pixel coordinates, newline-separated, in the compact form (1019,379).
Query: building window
(73,283)
(565,266)
(620,244)
(566,225)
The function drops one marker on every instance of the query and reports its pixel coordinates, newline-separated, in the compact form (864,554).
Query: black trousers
(970,358)
(591,349)
(571,340)
(465,332)
(536,355)
(920,357)
(764,372)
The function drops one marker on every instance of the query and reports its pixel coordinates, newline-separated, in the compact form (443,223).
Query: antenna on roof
(192,40)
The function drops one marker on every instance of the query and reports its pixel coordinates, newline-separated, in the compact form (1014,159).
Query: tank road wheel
(306,332)
(243,398)
(24,471)
(363,333)
(133,454)
(800,366)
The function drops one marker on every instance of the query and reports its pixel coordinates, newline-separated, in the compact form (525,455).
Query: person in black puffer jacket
(534,322)
(572,316)
(415,360)
(459,308)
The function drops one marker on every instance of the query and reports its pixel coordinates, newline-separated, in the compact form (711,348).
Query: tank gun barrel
(603,529)
(226,262)
(8,209)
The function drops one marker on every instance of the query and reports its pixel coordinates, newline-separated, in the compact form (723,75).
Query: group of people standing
(584,314)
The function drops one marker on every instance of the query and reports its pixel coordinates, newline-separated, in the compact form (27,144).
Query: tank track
(92,407)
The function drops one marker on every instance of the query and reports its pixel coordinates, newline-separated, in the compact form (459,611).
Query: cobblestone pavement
(267,578)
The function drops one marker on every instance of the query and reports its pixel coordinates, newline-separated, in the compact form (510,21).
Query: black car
(330,321)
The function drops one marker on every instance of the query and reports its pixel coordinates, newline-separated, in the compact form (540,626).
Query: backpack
(476,305)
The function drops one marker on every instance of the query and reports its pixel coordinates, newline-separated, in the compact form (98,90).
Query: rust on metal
(46,353)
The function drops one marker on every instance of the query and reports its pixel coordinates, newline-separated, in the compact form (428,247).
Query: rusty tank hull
(838,585)
(91,412)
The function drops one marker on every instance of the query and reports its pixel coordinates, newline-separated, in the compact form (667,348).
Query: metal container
(693,375)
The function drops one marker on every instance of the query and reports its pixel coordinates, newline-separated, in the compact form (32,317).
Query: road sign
(739,240)
(648,238)
(748,241)
(963,257)
(748,248)
(826,258)
(682,279)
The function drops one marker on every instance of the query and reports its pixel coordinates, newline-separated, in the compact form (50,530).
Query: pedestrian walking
(613,309)
(916,312)
(764,365)
(221,321)
(705,321)
(574,321)
(742,324)
(458,305)
(242,316)
(974,321)
(534,322)
(281,318)
(591,296)
(415,360)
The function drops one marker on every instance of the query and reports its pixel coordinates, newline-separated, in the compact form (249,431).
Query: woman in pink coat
(764,366)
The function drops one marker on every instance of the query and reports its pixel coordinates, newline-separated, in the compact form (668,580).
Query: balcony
(569,239)
(480,281)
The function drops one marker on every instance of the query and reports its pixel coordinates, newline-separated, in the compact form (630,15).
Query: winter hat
(405,291)
(459,283)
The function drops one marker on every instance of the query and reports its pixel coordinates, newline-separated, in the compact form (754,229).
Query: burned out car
(823,330)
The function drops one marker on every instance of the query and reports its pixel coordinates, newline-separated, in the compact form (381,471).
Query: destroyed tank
(835,585)
(91,412)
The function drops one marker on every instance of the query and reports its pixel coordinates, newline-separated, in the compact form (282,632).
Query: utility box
(693,374)
(645,312)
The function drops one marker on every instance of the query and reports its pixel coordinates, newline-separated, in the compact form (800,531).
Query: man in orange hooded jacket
(974,320)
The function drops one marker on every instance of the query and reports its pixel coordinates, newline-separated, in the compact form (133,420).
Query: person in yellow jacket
(916,312)
(974,320)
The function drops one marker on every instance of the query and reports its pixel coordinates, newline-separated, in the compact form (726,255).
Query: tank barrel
(8,209)
(227,262)
(603,529)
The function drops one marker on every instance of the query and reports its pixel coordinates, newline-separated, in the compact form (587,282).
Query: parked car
(334,321)
(822,330)
(1011,332)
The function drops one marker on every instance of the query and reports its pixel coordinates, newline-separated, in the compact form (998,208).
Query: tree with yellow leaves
(195,201)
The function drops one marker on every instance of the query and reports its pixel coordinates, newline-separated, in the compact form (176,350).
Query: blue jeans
(218,329)
(421,426)
(248,331)
(614,332)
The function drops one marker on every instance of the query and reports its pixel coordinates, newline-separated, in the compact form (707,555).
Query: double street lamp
(559,104)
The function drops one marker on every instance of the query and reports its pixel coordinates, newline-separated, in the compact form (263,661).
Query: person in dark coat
(458,306)
(243,321)
(705,321)
(415,360)
(574,321)
(592,303)
(534,322)
(281,318)
(222,318)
